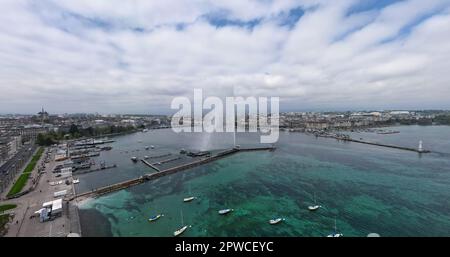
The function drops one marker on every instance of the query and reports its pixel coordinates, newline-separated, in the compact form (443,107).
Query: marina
(147,177)
(302,172)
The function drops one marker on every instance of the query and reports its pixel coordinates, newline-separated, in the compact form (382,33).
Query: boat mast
(182,221)
(335,228)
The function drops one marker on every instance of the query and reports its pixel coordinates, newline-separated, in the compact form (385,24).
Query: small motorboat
(154,218)
(225,211)
(314,208)
(188,199)
(75,181)
(152,147)
(134,159)
(146,157)
(275,221)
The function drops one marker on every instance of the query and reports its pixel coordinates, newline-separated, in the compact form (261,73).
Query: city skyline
(117,57)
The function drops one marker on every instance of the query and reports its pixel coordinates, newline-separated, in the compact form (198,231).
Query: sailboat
(276,221)
(314,207)
(190,198)
(335,234)
(182,229)
(155,218)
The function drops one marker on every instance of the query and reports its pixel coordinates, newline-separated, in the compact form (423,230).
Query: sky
(115,56)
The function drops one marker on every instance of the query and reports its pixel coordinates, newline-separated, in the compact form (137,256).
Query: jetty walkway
(160,173)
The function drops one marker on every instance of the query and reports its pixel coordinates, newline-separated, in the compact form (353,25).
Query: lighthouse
(420,149)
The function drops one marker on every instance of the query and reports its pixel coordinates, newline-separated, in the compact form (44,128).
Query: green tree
(73,129)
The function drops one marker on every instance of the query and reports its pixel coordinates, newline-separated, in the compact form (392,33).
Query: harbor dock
(79,172)
(389,146)
(150,165)
(160,173)
(349,139)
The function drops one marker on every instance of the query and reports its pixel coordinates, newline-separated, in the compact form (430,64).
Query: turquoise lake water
(364,188)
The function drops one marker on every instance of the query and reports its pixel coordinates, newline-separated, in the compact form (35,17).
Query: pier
(78,172)
(160,173)
(389,146)
(348,139)
(167,161)
(150,165)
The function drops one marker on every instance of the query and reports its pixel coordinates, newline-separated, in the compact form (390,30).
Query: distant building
(43,115)
(9,147)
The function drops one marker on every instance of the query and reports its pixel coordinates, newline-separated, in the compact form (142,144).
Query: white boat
(146,157)
(225,211)
(335,234)
(314,207)
(152,147)
(134,159)
(154,218)
(275,221)
(182,229)
(146,148)
(188,199)
(75,181)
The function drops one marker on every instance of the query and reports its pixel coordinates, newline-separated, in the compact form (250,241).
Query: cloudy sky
(115,56)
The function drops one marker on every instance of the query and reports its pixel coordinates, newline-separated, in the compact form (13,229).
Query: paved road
(25,224)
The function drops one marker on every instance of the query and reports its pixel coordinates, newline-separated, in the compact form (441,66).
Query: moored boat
(154,218)
(335,233)
(183,228)
(276,221)
(189,199)
(225,211)
(314,207)
(180,231)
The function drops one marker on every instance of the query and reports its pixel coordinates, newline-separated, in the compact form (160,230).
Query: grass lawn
(22,180)
(7,207)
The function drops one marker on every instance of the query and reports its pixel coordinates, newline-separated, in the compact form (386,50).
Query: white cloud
(117,56)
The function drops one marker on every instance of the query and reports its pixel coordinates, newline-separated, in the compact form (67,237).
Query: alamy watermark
(249,114)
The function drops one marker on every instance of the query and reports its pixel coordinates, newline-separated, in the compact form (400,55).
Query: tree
(73,129)
(45,139)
